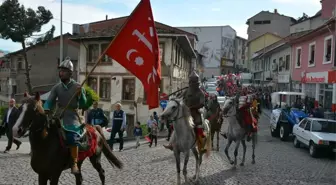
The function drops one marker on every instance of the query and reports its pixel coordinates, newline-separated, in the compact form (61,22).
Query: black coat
(12,119)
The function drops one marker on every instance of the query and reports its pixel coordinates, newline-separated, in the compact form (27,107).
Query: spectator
(154,133)
(8,123)
(96,116)
(118,118)
(137,134)
(149,125)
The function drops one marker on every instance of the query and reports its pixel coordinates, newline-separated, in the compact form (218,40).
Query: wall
(240,45)
(214,43)
(319,54)
(261,42)
(279,25)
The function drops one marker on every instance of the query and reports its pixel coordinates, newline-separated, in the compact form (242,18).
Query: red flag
(136,48)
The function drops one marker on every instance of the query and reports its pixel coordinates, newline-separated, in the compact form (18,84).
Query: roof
(288,93)
(292,19)
(320,119)
(238,37)
(318,14)
(267,33)
(38,44)
(113,25)
(317,31)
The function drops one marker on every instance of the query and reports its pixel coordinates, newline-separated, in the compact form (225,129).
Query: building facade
(44,60)
(113,83)
(217,45)
(240,51)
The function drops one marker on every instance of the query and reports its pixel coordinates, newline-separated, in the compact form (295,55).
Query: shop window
(311,57)
(298,57)
(327,49)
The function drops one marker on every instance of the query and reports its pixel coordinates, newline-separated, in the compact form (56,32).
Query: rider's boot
(169,146)
(74,155)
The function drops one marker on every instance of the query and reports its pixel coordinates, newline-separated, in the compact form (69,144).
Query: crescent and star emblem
(138,60)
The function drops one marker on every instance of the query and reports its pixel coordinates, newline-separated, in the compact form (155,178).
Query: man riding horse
(194,98)
(63,91)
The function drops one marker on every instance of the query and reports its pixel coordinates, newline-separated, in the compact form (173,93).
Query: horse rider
(63,91)
(194,98)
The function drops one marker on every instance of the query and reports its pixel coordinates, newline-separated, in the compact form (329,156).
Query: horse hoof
(253,162)
(231,162)
(234,168)
(241,164)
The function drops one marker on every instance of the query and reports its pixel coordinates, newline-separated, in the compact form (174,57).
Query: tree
(18,24)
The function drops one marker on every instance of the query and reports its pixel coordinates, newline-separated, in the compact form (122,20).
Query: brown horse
(49,155)
(213,115)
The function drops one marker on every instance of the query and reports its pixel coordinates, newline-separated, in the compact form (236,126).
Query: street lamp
(61,34)
(264,50)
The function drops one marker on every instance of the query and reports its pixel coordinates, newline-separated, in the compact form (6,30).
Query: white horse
(183,137)
(236,131)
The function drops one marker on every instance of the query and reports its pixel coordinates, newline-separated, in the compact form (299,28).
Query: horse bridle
(236,104)
(178,111)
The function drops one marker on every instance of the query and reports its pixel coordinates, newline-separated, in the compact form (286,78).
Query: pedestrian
(118,118)
(8,122)
(137,134)
(96,116)
(149,125)
(154,133)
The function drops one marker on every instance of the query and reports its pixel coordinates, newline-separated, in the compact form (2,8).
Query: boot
(74,155)
(200,144)
(169,146)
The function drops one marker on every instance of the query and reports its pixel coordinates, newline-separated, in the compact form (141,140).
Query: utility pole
(61,36)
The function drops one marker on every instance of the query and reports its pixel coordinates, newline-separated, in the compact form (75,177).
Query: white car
(317,134)
(107,133)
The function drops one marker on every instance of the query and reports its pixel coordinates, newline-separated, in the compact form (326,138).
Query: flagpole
(100,58)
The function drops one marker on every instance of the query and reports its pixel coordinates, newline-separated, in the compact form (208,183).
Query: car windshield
(210,88)
(212,80)
(324,126)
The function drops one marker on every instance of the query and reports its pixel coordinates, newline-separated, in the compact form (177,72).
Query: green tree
(18,24)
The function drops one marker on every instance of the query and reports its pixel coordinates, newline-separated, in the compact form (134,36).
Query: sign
(283,78)
(163,103)
(318,77)
(164,96)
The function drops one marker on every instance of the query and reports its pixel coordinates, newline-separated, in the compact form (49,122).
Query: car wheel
(312,150)
(284,131)
(296,143)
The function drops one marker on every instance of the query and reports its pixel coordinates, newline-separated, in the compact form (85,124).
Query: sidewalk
(267,112)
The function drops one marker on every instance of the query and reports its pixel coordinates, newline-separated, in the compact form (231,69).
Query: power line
(63,21)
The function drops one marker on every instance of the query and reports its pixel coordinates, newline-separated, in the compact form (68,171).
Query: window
(262,22)
(105,58)
(14,89)
(311,58)
(281,64)
(303,123)
(287,63)
(128,89)
(105,88)
(92,82)
(93,53)
(161,51)
(19,65)
(307,127)
(298,57)
(327,50)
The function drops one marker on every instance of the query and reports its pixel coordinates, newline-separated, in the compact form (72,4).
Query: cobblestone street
(277,163)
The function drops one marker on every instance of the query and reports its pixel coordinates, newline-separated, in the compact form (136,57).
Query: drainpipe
(171,67)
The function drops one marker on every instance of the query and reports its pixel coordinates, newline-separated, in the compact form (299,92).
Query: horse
(49,155)
(184,137)
(213,115)
(237,131)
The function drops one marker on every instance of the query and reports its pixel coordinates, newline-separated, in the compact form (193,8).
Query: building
(217,45)
(313,55)
(258,44)
(269,22)
(114,83)
(44,60)
(275,71)
(240,51)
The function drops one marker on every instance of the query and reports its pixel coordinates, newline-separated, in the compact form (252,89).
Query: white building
(115,84)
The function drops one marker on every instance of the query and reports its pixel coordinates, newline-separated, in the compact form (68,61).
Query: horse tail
(112,159)
(208,140)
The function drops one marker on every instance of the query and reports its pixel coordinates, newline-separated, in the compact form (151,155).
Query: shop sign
(283,78)
(318,77)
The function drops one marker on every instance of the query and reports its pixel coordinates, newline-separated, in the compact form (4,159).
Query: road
(277,163)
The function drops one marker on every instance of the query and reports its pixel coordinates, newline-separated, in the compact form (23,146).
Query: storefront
(316,85)
(283,82)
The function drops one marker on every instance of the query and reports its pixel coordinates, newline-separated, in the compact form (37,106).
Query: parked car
(316,134)
(283,116)
(211,88)
(107,133)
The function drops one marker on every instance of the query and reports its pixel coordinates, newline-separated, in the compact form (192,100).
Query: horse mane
(186,113)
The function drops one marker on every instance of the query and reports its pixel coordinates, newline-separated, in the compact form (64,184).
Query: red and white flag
(136,48)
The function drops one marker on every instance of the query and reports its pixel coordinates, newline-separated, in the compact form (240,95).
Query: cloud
(72,13)
(298,2)
(241,30)
(215,9)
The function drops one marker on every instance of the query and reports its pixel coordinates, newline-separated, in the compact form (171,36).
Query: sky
(171,12)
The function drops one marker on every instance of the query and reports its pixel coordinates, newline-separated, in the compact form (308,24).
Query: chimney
(106,17)
(276,11)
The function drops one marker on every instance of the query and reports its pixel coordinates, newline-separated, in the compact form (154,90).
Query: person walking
(149,125)
(96,116)
(137,134)
(118,118)
(8,122)
(154,133)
